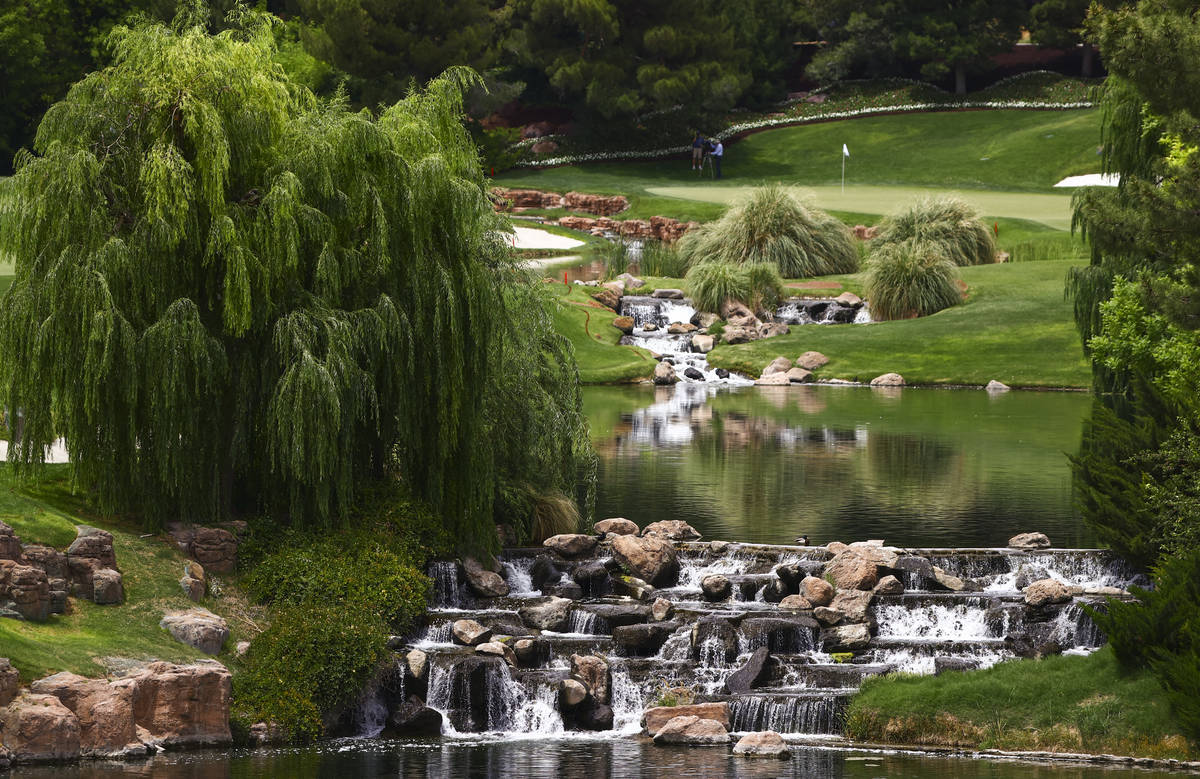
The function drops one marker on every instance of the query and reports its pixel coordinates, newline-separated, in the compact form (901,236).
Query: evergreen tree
(231,295)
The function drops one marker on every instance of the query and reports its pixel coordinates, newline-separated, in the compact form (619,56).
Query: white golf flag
(845,151)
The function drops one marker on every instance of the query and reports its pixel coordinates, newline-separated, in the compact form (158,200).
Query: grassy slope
(1015,327)
(1026,151)
(588,325)
(1063,704)
(76,641)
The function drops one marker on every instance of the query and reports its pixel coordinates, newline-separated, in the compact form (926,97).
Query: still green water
(566,759)
(916,467)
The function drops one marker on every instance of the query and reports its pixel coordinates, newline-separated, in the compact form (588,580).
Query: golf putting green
(1052,210)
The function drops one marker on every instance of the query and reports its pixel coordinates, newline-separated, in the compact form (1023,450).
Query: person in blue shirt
(717,153)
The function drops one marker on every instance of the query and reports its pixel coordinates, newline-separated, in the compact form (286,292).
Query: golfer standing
(717,153)
(697,151)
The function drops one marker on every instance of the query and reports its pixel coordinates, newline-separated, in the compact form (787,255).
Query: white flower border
(762,124)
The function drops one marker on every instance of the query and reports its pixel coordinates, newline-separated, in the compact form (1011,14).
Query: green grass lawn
(1016,327)
(893,159)
(79,640)
(1062,704)
(588,325)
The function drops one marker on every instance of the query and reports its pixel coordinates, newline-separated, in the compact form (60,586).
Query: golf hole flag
(845,151)
(845,154)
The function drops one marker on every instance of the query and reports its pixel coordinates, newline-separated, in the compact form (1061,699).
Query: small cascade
(520,583)
(820,312)
(955,622)
(817,714)
(447,590)
(627,702)
(477,696)
(584,622)
(436,634)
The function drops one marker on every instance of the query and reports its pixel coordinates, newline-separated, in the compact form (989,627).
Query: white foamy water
(957,622)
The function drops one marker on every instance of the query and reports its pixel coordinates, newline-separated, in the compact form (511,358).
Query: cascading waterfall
(583,622)
(627,702)
(817,715)
(447,592)
(957,622)
(520,583)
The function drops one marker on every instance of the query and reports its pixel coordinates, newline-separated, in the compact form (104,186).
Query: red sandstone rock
(184,704)
(601,205)
(104,710)
(39,728)
(10,682)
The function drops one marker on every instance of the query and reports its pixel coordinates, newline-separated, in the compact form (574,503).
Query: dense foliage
(951,225)
(712,284)
(773,225)
(231,295)
(909,279)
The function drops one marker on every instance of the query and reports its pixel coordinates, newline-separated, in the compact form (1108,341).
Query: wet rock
(484,583)
(780,633)
(1031,647)
(592,578)
(571,544)
(531,652)
(571,693)
(598,717)
(654,718)
(497,649)
(1046,592)
(664,373)
(716,587)
(750,674)
(889,585)
(565,589)
(692,731)
(624,323)
(594,672)
(943,664)
(845,638)
(550,613)
(946,581)
(767,743)
(854,605)
(661,609)
(643,639)
(722,373)
(468,632)
(827,616)
(107,587)
(817,591)
(672,530)
(1029,541)
(10,682)
(693,373)
(996,386)
(811,361)
(632,587)
(104,710)
(715,635)
(775,591)
(799,376)
(544,571)
(39,728)
(417,662)
(617,614)
(918,567)
(791,574)
(888,380)
(618,526)
(198,628)
(414,719)
(650,558)
(795,603)
(778,365)
(668,294)
(703,344)
(681,328)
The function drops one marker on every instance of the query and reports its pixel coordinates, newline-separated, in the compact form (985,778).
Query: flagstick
(843,174)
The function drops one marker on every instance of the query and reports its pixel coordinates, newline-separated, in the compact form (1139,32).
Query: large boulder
(184,705)
(618,526)
(854,605)
(571,544)
(27,588)
(750,674)
(414,718)
(889,585)
(198,628)
(799,376)
(888,380)
(668,294)
(631,587)
(1046,592)
(795,603)
(716,587)
(654,718)
(774,380)
(816,591)
(778,365)
(624,323)
(946,581)
(617,614)
(849,571)
(672,530)
(107,587)
(10,544)
(643,639)
(846,638)
(811,361)
(767,743)
(571,693)
(692,731)
(39,728)
(10,682)
(650,558)
(498,649)
(594,672)
(215,548)
(484,583)
(703,344)
(664,373)
(827,616)
(550,613)
(1029,541)
(715,640)
(468,632)
(104,710)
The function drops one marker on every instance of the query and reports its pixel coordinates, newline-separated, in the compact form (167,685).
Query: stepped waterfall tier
(606,633)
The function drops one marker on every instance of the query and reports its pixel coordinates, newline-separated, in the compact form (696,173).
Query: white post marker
(845,154)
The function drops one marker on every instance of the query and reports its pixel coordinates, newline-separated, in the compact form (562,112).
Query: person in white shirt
(717,154)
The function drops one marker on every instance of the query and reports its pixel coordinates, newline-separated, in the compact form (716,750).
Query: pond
(916,467)
(564,759)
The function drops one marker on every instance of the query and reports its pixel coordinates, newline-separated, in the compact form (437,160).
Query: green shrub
(711,284)
(552,516)
(949,223)
(910,279)
(661,259)
(773,225)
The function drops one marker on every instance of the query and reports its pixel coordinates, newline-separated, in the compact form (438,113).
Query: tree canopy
(233,296)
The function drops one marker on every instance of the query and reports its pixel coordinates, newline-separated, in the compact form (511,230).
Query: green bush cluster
(910,279)
(773,225)
(712,284)
(949,224)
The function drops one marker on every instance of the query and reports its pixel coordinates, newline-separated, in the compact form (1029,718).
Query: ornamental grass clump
(949,222)
(910,279)
(773,225)
(712,284)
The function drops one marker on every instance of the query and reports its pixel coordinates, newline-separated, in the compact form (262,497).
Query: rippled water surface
(916,467)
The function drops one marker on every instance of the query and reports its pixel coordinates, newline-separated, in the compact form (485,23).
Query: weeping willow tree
(230,295)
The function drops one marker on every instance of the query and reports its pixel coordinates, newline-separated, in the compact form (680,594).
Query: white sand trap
(531,238)
(54,454)
(1091,180)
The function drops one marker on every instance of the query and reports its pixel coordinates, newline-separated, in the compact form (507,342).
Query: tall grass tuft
(910,279)
(950,223)
(661,259)
(616,258)
(711,284)
(773,225)
(553,514)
